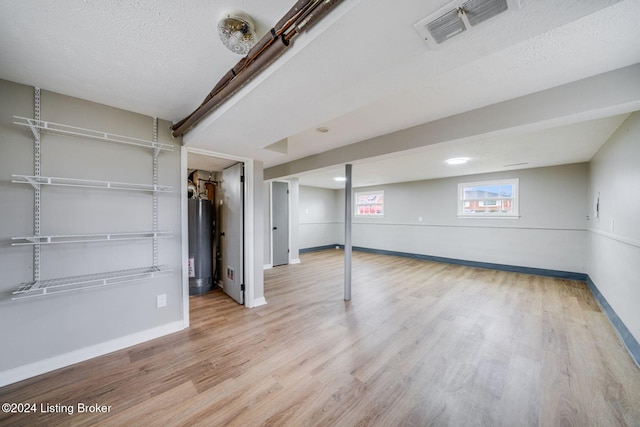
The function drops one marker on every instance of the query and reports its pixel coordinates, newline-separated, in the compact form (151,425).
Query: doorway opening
(215,193)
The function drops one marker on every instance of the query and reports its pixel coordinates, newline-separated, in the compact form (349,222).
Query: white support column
(348,209)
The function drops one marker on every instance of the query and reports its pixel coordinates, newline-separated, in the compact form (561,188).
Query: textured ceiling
(369,73)
(155,57)
(362,72)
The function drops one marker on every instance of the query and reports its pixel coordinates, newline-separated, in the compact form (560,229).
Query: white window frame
(368,193)
(515,196)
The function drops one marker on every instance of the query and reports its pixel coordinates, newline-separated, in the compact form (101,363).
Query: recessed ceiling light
(322,129)
(340,179)
(457,161)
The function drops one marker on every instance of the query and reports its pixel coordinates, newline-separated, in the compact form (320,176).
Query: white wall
(550,234)
(614,239)
(320,221)
(266,218)
(294,219)
(254,250)
(49,332)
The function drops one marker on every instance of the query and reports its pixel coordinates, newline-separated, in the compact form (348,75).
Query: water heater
(201,233)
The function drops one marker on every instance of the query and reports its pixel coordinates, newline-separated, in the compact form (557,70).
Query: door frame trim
(249,229)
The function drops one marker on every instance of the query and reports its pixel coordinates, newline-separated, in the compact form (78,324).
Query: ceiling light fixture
(303,16)
(237,32)
(457,161)
(323,129)
(340,179)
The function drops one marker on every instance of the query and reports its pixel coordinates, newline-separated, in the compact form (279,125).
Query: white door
(232,232)
(280,222)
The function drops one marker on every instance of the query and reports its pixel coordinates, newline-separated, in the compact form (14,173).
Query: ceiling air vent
(458,17)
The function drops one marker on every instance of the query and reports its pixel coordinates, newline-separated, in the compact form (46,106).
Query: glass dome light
(237,32)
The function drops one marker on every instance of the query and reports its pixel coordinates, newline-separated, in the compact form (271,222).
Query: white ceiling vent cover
(458,17)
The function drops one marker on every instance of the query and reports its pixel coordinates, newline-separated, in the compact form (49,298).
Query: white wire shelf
(60,129)
(68,284)
(87,183)
(82,238)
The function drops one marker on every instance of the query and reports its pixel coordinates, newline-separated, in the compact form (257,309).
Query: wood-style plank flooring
(420,344)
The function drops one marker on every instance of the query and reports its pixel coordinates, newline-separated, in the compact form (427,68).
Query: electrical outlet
(161,300)
(419,219)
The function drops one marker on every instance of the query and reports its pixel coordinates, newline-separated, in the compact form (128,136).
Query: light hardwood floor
(420,344)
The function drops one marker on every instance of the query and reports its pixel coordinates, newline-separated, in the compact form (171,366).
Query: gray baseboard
(501,267)
(625,335)
(319,248)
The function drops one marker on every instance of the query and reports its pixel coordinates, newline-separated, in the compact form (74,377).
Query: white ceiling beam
(614,92)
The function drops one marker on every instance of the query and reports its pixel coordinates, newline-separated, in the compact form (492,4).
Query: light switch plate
(161,300)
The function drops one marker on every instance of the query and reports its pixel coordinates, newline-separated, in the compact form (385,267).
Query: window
(488,199)
(370,204)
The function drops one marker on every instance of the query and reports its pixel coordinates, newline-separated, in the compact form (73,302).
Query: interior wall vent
(458,17)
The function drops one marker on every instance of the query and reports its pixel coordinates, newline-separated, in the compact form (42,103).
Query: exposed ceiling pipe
(302,16)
